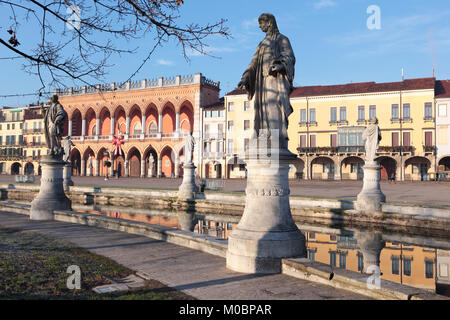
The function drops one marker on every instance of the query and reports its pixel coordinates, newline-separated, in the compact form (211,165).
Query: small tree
(76,39)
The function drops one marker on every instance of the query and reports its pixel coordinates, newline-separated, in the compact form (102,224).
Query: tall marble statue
(151,162)
(67,145)
(54,118)
(269,80)
(89,166)
(372,138)
(189,144)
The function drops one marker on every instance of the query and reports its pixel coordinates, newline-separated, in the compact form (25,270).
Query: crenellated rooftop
(161,82)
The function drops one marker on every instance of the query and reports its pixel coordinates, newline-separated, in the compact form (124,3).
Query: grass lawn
(34,266)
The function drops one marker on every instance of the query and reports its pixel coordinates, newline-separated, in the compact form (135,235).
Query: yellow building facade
(325,129)
(34,140)
(11,140)
(239,124)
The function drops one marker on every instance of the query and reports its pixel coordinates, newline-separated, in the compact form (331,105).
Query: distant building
(442,125)
(11,140)
(152,115)
(213,137)
(326,127)
(34,139)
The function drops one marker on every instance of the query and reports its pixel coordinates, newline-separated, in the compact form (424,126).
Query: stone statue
(67,144)
(151,162)
(372,138)
(269,80)
(54,118)
(189,144)
(90,162)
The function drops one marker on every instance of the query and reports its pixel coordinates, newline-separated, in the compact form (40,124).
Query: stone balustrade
(178,80)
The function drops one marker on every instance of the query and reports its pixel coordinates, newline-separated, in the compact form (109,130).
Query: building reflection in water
(417,266)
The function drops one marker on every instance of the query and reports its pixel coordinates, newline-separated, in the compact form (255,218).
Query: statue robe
(271,93)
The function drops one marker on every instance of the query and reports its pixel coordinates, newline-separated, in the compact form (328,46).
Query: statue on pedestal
(269,80)
(189,144)
(372,138)
(267,232)
(67,145)
(54,118)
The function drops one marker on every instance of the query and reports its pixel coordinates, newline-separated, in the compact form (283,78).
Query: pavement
(196,273)
(413,192)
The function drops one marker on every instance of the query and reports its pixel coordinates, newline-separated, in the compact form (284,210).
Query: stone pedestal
(67,175)
(51,193)
(371,245)
(188,188)
(266,233)
(370,198)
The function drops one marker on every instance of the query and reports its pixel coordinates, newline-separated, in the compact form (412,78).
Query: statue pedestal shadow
(266,232)
(188,188)
(370,199)
(51,193)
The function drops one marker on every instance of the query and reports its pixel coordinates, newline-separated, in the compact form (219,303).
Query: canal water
(420,261)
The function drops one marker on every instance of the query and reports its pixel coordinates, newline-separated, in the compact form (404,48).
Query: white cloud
(324,4)
(164,62)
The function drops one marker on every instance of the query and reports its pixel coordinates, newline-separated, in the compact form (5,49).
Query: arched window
(152,127)
(122,127)
(93,130)
(137,129)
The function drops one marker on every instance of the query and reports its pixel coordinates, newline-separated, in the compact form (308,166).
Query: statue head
(374,120)
(54,98)
(267,23)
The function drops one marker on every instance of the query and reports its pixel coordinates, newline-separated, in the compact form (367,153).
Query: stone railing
(178,80)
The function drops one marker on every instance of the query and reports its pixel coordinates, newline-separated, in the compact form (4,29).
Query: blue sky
(330,39)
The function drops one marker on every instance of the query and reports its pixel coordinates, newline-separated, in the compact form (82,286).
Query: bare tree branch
(76,40)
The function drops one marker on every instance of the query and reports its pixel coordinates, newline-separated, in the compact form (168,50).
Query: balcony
(317,150)
(429,149)
(213,155)
(395,149)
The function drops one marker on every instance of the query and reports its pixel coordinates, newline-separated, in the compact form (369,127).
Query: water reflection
(421,262)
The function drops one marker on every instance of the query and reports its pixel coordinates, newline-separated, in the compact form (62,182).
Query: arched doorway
(75,160)
(298,167)
(416,168)
(134,163)
(444,164)
(29,168)
(15,168)
(150,169)
(167,164)
(388,168)
(352,168)
(322,168)
(103,156)
(89,157)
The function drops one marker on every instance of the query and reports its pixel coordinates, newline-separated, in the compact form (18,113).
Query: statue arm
(286,58)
